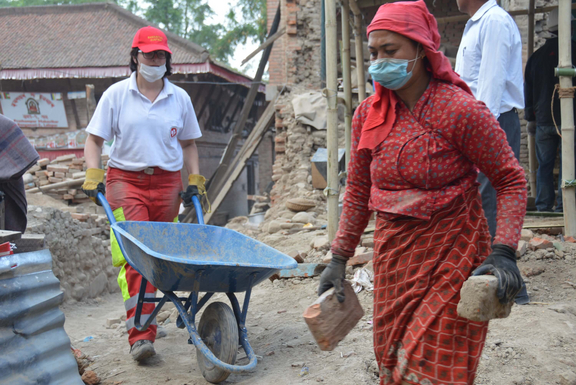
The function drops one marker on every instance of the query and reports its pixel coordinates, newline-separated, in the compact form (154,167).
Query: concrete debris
(526,235)
(81,253)
(297,255)
(90,378)
(110,322)
(360,259)
(521,250)
(478,300)
(567,378)
(303,217)
(540,243)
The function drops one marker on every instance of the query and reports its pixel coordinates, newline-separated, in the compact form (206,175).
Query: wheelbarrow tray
(176,256)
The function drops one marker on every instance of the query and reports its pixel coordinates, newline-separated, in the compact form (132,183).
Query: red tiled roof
(76,36)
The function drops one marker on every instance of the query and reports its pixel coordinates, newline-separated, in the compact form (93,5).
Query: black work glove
(188,194)
(93,194)
(502,264)
(333,276)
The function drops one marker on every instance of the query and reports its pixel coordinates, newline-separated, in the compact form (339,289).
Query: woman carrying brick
(417,145)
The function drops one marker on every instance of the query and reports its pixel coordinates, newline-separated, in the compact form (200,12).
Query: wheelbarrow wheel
(219,332)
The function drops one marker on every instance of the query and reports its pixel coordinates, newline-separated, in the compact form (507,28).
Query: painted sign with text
(34,109)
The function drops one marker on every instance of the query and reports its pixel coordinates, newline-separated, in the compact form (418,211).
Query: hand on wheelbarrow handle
(102,199)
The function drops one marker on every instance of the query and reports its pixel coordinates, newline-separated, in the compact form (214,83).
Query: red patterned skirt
(419,269)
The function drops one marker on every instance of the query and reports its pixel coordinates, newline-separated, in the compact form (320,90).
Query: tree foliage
(245,21)
(189,19)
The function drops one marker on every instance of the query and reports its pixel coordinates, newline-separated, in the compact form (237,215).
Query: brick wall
(295,57)
(276,66)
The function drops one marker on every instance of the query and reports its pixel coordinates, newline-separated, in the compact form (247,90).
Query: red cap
(150,39)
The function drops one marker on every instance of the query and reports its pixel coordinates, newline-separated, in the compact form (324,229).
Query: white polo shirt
(145,134)
(489,59)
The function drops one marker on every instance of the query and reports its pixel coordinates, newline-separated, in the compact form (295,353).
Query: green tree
(188,18)
(166,14)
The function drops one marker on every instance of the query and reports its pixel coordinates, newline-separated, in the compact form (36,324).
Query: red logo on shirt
(173,132)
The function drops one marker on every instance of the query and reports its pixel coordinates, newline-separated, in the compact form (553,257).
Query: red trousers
(139,196)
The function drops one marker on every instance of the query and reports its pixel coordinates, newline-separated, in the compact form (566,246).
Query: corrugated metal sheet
(34,348)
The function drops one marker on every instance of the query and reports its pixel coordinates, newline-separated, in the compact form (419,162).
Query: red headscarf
(413,20)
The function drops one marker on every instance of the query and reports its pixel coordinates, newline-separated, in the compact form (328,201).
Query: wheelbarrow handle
(198,208)
(112,219)
(107,209)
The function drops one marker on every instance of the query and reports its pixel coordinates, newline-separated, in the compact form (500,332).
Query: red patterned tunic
(431,232)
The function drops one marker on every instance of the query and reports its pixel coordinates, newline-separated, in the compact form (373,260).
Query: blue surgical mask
(391,73)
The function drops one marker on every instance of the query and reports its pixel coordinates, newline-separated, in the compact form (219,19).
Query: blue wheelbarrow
(199,258)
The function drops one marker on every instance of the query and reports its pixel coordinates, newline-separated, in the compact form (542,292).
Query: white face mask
(150,73)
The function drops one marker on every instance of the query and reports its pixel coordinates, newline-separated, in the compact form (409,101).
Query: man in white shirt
(489,60)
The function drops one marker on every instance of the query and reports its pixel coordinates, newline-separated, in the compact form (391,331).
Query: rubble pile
(297,218)
(81,253)
(66,168)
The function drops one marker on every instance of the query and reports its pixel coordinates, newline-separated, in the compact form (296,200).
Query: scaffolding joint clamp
(568,183)
(565,72)
(328,191)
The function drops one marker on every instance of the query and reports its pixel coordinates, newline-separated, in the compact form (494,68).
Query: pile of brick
(66,168)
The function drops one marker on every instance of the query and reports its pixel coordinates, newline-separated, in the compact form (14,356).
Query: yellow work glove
(94,184)
(196,186)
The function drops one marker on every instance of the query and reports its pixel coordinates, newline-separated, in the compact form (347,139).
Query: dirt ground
(536,345)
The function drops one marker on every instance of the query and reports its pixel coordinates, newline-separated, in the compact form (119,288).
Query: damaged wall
(81,256)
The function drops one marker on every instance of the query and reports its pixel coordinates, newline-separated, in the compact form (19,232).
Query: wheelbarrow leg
(241,314)
(141,299)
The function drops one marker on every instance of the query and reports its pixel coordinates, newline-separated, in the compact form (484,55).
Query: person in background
(16,156)
(489,60)
(538,91)
(154,128)
(417,144)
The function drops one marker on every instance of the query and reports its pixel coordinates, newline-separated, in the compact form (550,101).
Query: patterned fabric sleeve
(355,212)
(477,134)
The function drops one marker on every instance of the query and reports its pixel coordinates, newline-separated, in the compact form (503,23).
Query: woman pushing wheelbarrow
(154,128)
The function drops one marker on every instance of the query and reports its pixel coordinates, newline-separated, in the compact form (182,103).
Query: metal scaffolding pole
(532,161)
(567,114)
(347,76)
(330,92)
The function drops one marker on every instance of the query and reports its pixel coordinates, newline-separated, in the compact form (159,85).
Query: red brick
(360,259)
(330,321)
(540,243)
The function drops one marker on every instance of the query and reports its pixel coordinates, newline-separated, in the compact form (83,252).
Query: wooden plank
(228,155)
(228,104)
(239,163)
(268,41)
(68,183)
(9,236)
(90,102)
(208,99)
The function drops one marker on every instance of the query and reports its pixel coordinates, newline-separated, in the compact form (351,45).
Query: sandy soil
(536,345)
